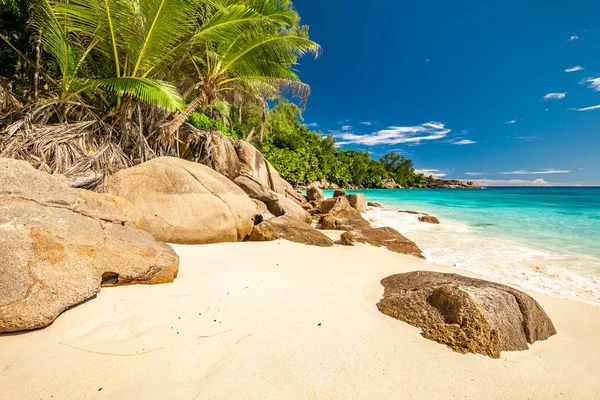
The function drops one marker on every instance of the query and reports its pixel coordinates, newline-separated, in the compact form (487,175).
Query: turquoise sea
(546,239)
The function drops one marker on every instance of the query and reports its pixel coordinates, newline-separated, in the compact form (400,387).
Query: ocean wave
(477,249)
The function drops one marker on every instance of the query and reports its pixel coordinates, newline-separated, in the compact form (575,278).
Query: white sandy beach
(282,321)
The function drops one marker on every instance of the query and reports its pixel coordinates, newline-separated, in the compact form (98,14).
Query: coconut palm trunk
(36,74)
(170,128)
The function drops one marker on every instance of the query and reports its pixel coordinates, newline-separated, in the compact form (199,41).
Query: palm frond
(159,93)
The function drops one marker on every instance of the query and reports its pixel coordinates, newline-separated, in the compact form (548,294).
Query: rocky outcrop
(291,229)
(468,315)
(235,158)
(179,201)
(357,201)
(374,204)
(340,215)
(430,219)
(314,193)
(255,190)
(285,206)
(261,207)
(390,184)
(448,184)
(337,203)
(339,193)
(388,238)
(59,245)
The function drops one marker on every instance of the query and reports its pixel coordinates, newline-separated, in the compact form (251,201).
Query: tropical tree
(249,48)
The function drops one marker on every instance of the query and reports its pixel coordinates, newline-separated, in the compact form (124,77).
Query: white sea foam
(555,273)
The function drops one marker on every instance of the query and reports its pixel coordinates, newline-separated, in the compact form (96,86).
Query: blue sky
(469,89)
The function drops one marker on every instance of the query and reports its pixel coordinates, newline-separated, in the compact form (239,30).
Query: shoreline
(454,243)
(282,320)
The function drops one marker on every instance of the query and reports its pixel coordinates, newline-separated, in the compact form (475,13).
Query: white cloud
(311,125)
(586,108)
(474,173)
(555,96)
(512,121)
(541,172)
(575,69)
(526,137)
(511,182)
(436,173)
(573,38)
(592,83)
(369,123)
(397,135)
(346,128)
(463,142)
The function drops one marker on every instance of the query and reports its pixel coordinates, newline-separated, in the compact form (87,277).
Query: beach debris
(468,315)
(213,335)
(102,353)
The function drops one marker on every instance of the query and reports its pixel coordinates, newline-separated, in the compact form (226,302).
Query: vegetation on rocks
(98,85)
(303,156)
(88,87)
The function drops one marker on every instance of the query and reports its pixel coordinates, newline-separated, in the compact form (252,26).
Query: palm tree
(133,36)
(249,48)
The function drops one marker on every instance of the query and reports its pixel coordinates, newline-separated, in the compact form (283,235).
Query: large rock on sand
(468,315)
(276,203)
(235,158)
(357,201)
(291,229)
(59,245)
(314,193)
(388,238)
(339,215)
(179,201)
(255,189)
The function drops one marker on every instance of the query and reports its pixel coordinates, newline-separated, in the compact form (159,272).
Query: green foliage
(303,156)
(399,167)
(203,121)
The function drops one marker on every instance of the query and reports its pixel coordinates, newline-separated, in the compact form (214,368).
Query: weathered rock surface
(468,315)
(179,201)
(255,189)
(430,219)
(374,204)
(261,208)
(339,215)
(59,245)
(286,206)
(335,203)
(357,201)
(314,193)
(234,158)
(390,184)
(386,237)
(339,193)
(291,229)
